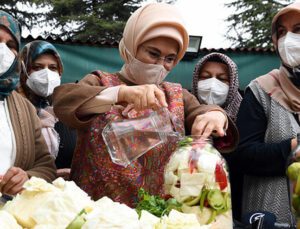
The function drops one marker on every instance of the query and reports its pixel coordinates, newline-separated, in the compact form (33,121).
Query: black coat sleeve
(255,156)
(66,145)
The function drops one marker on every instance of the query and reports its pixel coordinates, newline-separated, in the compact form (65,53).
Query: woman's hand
(293,143)
(143,96)
(210,123)
(13,180)
(64,173)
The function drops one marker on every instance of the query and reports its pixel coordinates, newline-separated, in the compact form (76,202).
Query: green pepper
(212,217)
(202,198)
(227,200)
(186,141)
(192,200)
(79,220)
(216,199)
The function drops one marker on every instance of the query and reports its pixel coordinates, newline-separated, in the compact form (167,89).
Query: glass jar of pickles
(197,177)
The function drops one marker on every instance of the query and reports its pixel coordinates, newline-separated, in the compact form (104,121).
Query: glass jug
(128,139)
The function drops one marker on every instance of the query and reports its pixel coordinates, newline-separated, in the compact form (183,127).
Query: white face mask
(43,82)
(289,49)
(142,73)
(7,58)
(212,91)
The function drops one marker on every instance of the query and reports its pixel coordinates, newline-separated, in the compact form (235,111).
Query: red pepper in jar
(220,176)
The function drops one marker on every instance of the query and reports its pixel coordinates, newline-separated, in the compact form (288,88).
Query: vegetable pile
(63,205)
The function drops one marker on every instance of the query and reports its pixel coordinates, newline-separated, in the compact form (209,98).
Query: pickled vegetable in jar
(197,176)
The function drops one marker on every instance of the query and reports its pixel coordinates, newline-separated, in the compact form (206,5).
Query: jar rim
(199,138)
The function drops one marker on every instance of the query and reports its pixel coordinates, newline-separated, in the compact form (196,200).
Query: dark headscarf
(28,55)
(232,103)
(10,79)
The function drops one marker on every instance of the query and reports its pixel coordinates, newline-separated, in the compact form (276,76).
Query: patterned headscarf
(232,103)
(10,79)
(28,55)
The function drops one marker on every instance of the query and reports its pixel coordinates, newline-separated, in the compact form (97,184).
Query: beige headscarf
(51,137)
(292,7)
(152,21)
(280,88)
(277,83)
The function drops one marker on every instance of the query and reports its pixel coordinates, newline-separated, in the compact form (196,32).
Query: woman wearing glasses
(154,41)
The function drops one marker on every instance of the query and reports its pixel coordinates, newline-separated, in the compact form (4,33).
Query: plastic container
(293,173)
(197,176)
(128,139)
